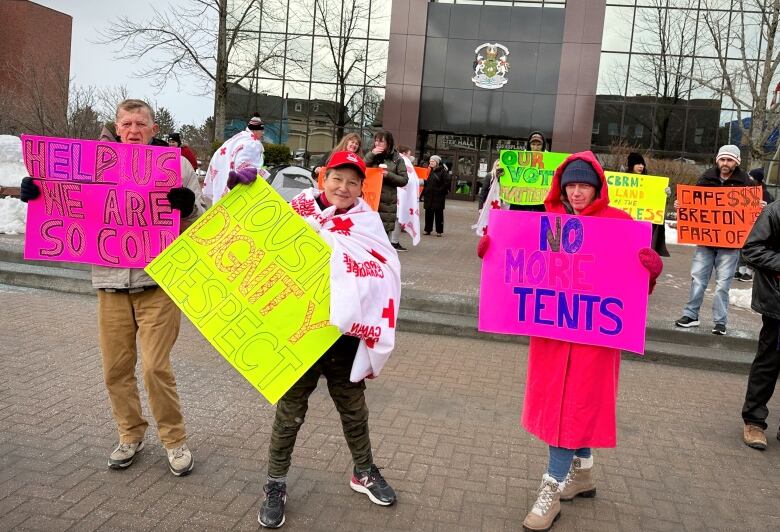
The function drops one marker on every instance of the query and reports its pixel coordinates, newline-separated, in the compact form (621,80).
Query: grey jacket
(104,277)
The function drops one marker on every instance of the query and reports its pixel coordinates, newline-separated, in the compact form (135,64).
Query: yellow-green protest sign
(254,278)
(641,196)
(527,175)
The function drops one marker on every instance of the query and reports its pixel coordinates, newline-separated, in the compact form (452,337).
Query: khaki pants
(155,320)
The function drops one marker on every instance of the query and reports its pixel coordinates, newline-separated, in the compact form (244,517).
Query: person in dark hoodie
(636,165)
(725,173)
(384,155)
(536,142)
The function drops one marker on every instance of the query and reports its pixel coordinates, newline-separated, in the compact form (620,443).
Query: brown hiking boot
(579,482)
(754,437)
(546,509)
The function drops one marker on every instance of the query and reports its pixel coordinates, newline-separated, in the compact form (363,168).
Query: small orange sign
(372,186)
(716,216)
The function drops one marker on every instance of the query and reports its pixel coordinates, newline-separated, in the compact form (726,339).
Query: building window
(613,129)
(596,127)
(298,107)
(698,135)
(315,107)
(639,130)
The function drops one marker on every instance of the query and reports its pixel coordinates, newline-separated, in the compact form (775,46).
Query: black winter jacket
(395,177)
(711,178)
(762,253)
(436,188)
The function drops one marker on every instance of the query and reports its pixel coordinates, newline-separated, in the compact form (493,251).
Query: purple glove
(244,176)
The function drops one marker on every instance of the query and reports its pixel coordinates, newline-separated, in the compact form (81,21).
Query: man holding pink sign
(117,206)
(557,276)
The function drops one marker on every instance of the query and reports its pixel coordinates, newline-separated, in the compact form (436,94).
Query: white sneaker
(180,460)
(124,454)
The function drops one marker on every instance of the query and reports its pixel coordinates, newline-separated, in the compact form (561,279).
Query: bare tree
(346,59)
(41,108)
(201,38)
(664,44)
(745,69)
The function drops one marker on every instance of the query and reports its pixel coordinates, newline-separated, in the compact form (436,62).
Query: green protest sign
(527,175)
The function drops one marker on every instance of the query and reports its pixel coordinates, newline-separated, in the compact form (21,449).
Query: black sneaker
(398,247)
(373,484)
(687,322)
(746,277)
(271,514)
(720,329)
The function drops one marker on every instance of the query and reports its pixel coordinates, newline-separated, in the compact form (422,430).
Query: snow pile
(740,297)
(13,214)
(12,168)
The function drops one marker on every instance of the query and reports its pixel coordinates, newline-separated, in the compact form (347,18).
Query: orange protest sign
(716,216)
(422,175)
(372,186)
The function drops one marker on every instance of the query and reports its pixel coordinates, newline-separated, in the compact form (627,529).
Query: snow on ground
(671,235)
(12,168)
(13,214)
(740,297)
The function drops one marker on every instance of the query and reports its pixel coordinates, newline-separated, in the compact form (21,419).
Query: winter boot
(579,482)
(546,509)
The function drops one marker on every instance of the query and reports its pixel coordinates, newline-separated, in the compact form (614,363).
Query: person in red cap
(344,364)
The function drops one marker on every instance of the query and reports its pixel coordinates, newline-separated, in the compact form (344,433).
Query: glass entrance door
(464,176)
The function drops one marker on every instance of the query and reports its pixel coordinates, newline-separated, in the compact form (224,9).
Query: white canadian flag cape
(409,204)
(238,152)
(493,201)
(365,278)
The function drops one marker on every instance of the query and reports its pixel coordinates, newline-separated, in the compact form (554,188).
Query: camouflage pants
(348,397)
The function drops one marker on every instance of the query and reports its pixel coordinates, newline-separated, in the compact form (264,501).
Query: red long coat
(571,389)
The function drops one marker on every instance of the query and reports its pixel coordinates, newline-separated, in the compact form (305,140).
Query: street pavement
(444,425)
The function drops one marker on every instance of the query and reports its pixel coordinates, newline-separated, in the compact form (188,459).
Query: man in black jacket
(761,253)
(725,173)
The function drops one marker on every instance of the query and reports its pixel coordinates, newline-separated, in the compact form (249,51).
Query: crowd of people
(571,388)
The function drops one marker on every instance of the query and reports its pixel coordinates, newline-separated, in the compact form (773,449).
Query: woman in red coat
(571,389)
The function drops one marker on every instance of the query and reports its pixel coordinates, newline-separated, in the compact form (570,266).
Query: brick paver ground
(444,421)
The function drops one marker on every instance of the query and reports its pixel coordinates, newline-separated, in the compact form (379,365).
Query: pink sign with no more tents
(572,278)
(101,203)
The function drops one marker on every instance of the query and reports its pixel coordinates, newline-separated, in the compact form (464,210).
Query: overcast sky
(93,64)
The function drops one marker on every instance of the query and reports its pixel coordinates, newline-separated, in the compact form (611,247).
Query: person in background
(725,173)
(350,142)
(384,155)
(536,142)
(133,310)
(243,150)
(571,388)
(174,139)
(491,198)
(434,195)
(408,204)
(636,165)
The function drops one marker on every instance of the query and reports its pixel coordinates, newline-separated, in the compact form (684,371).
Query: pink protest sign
(101,202)
(572,278)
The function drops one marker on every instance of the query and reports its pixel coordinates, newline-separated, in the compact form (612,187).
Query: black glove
(182,199)
(29,190)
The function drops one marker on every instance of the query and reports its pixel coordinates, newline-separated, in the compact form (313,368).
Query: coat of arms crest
(491,66)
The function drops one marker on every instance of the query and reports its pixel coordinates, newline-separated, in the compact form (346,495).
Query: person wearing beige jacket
(133,310)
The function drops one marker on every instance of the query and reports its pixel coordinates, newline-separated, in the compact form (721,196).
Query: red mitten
(652,263)
(482,247)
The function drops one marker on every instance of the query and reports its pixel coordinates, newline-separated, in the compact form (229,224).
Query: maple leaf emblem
(341,225)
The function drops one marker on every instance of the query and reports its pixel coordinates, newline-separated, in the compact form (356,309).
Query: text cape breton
(254,278)
(559,281)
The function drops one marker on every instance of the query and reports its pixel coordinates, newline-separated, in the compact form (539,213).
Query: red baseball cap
(347,158)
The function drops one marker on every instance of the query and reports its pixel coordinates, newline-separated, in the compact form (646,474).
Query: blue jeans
(560,460)
(725,262)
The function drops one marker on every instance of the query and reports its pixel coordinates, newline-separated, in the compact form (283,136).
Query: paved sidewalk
(444,420)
